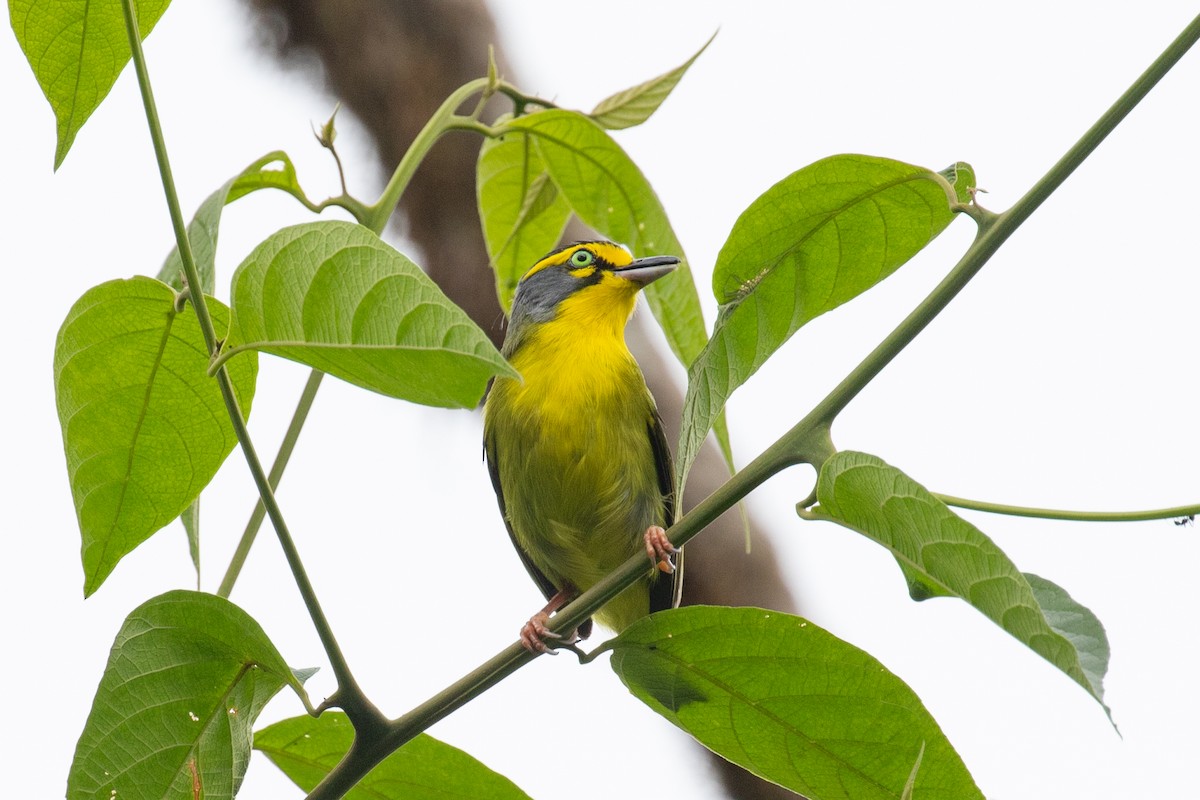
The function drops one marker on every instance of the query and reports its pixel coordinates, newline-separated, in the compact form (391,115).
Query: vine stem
(333,652)
(808,441)
(1177,512)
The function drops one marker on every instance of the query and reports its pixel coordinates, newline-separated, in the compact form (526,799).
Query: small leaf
(522,212)
(258,176)
(328,133)
(789,702)
(144,426)
(961,176)
(306,749)
(911,783)
(77,50)
(205,225)
(191,526)
(635,105)
(818,238)
(173,716)
(950,556)
(334,296)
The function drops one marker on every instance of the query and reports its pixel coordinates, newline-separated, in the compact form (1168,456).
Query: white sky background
(1064,375)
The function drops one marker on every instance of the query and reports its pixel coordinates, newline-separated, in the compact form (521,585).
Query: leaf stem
(1176,512)
(337,661)
(375,216)
(446,118)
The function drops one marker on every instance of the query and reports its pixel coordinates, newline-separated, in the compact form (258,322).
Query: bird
(575,447)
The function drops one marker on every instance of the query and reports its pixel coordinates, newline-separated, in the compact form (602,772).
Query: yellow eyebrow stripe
(607,252)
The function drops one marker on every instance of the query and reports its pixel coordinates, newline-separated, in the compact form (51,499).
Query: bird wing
(664,594)
(491,456)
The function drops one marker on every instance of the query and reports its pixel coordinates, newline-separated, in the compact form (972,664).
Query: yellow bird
(576,448)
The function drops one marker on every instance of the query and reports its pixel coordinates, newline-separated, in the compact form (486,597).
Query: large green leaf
(816,239)
(789,702)
(144,426)
(522,212)
(272,171)
(77,49)
(608,192)
(944,555)
(306,749)
(174,713)
(336,297)
(634,105)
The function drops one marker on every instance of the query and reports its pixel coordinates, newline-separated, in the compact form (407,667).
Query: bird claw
(660,549)
(535,632)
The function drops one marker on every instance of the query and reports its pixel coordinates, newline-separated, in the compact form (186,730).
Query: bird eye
(582,258)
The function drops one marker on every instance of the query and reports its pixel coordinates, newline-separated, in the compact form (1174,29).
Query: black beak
(645,271)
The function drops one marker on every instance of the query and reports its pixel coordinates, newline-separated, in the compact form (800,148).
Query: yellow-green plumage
(575,448)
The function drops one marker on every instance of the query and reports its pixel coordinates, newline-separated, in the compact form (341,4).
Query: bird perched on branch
(576,449)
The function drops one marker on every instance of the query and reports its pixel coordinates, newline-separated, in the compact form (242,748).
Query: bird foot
(660,549)
(536,631)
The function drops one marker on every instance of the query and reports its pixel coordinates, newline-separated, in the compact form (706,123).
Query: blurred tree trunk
(392,63)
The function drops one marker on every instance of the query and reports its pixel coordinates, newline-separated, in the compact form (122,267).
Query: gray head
(573,269)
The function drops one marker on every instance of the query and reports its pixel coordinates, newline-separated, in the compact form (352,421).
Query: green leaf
(608,192)
(306,749)
(334,296)
(144,426)
(948,556)
(789,702)
(635,105)
(76,50)
(818,238)
(173,716)
(205,225)
(522,212)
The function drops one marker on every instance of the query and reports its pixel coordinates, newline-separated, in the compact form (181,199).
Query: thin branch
(286,449)
(994,230)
